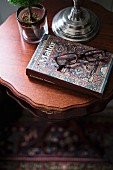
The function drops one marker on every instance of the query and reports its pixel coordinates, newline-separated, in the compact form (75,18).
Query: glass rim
(40,21)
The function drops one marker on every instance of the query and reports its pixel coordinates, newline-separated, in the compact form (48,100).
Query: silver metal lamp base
(75,25)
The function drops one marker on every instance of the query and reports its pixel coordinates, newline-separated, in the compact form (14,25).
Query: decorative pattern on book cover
(70,64)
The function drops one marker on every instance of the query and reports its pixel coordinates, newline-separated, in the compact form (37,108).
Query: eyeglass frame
(82,58)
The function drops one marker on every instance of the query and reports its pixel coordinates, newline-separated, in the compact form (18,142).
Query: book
(71,65)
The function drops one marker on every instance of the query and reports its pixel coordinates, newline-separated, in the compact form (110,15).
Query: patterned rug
(30,144)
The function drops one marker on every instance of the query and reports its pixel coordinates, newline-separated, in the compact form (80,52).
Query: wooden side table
(43,99)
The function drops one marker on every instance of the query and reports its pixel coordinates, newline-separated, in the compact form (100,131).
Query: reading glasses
(73,59)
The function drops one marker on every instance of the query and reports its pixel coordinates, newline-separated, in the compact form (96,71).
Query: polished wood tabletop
(41,98)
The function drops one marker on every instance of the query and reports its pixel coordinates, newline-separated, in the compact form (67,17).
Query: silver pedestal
(75,24)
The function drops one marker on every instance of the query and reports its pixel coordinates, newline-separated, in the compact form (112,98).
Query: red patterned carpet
(30,144)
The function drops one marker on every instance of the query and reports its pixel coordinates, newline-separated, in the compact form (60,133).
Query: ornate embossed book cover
(71,65)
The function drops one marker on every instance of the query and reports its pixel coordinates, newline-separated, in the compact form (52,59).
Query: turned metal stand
(76,23)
